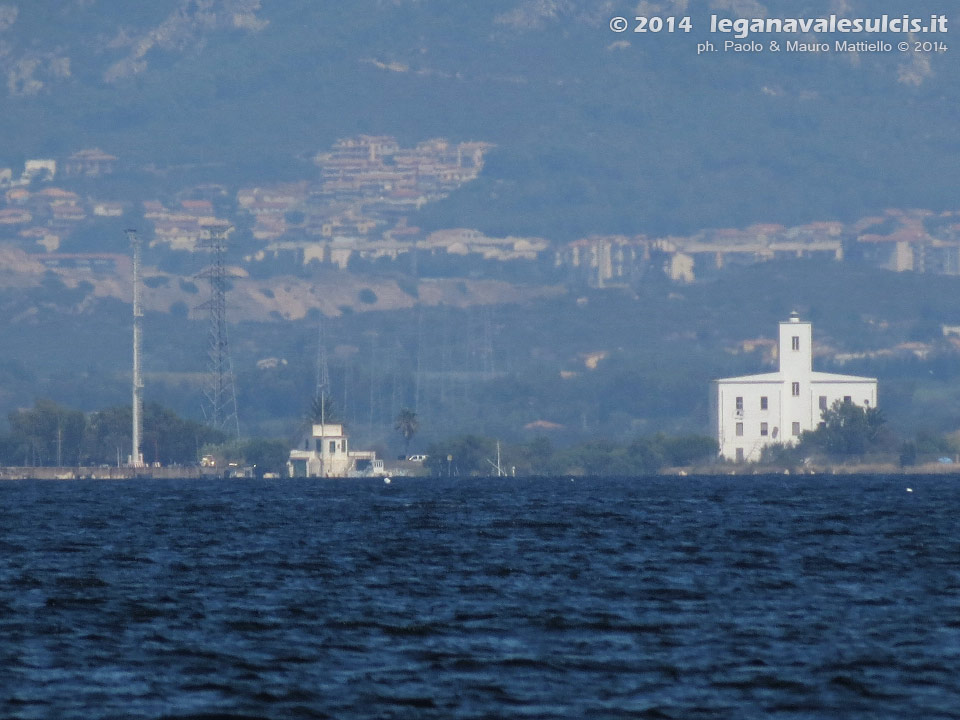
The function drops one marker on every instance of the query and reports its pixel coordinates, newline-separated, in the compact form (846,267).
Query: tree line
(849,433)
(477,455)
(49,434)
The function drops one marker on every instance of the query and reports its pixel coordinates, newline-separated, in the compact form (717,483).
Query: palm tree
(407,425)
(322,410)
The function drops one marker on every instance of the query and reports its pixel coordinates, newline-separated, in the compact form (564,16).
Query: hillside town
(362,201)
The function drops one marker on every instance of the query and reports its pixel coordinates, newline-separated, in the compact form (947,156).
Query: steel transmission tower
(136,440)
(220,398)
(322,392)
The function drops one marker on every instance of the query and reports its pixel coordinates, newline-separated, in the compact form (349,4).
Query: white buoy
(387,480)
(909,489)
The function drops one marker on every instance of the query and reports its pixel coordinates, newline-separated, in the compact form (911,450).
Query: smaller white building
(753,411)
(43,169)
(325,452)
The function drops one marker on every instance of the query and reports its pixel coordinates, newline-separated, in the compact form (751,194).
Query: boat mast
(499,469)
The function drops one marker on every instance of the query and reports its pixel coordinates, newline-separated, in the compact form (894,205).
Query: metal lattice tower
(220,397)
(487,356)
(322,392)
(136,439)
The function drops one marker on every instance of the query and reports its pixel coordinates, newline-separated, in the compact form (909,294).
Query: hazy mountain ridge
(110,40)
(39,47)
(597,132)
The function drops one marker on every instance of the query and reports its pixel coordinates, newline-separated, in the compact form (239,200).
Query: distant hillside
(595,132)
(593,363)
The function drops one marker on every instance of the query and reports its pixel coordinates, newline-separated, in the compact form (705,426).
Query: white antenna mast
(136,456)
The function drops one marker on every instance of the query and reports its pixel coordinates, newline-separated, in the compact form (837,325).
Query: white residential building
(753,411)
(325,453)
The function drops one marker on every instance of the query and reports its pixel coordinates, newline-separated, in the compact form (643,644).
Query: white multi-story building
(753,411)
(325,453)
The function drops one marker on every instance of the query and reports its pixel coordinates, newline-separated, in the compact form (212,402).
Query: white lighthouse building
(752,411)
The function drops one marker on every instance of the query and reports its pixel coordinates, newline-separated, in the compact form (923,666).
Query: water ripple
(488,598)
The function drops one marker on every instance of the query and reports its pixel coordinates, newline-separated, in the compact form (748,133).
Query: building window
(796,342)
(739,454)
(847,399)
(763,402)
(333,447)
(796,389)
(823,402)
(739,404)
(763,429)
(739,429)
(796,429)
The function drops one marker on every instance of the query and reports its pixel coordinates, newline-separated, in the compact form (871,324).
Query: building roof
(822,377)
(778,377)
(774,377)
(92,154)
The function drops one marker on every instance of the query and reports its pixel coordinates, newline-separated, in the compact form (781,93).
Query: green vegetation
(927,447)
(613,364)
(322,410)
(850,434)
(51,435)
(476,455)
(407,425)
(156,281)
(265,456)
(848,430)
(261,455)
(847,433)
(47,435)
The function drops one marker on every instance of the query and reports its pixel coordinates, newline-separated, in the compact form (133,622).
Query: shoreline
(203,473)
(108,473)
(931,468)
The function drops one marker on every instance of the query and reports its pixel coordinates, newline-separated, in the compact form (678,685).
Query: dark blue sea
(725,597)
